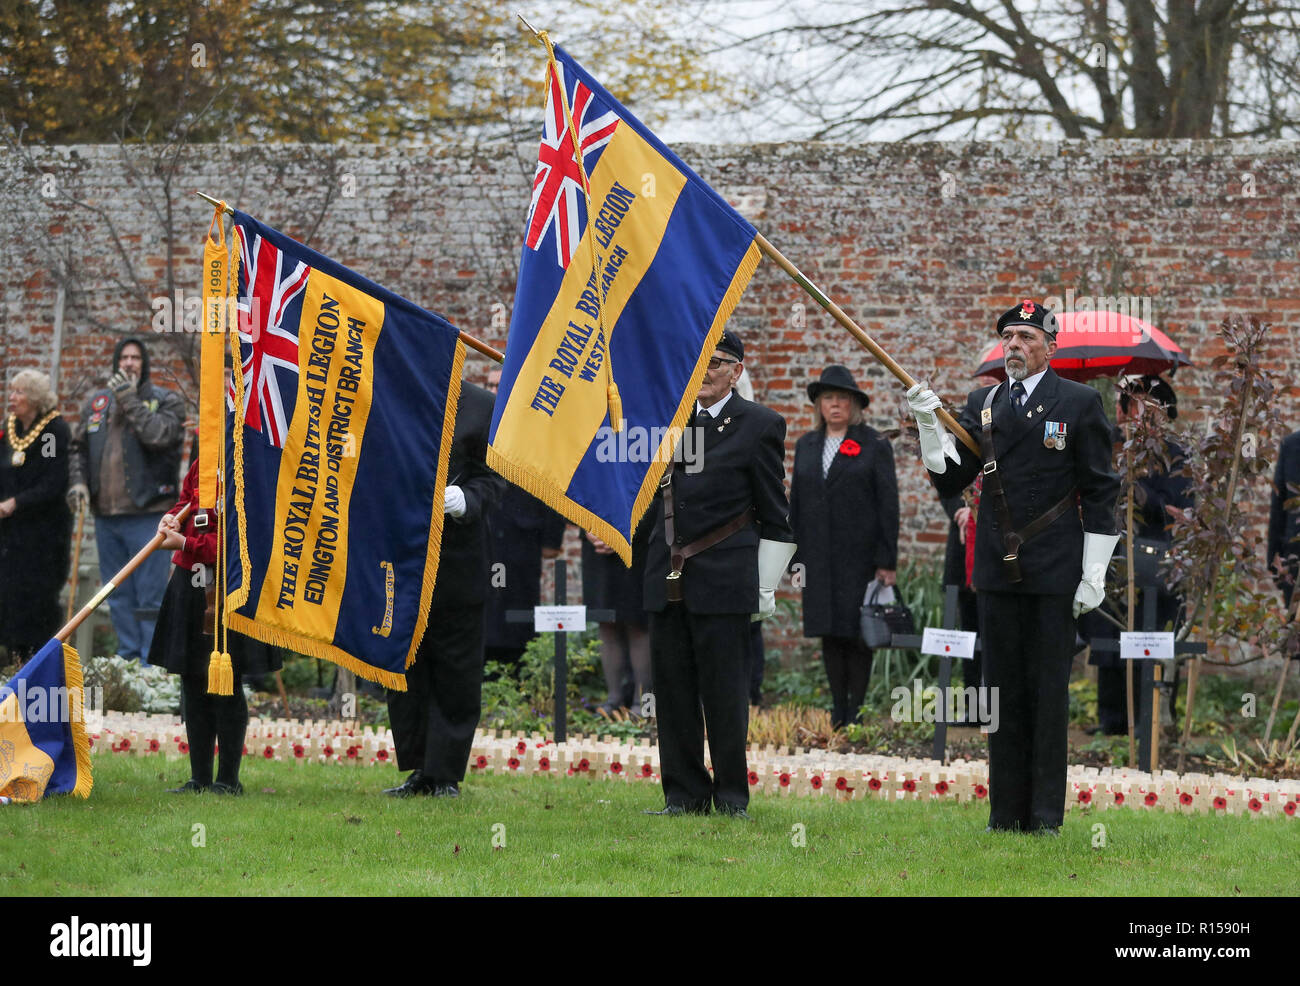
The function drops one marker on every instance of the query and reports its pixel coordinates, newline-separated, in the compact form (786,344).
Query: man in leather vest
(720,542)
(1043,539)
(126,467)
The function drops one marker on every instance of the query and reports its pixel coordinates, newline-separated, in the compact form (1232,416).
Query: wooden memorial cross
(912,640)
(1150,686)
(561,645)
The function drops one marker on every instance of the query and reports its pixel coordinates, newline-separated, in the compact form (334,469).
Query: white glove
(1097,549)
(78,497)
(453,501)
(773,559)
(937,445)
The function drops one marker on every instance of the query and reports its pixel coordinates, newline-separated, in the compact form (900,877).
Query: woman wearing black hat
(844,511)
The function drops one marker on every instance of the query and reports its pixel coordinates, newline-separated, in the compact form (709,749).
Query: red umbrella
(1099,344)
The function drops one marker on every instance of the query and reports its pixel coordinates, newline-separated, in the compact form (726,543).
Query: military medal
(1054,435)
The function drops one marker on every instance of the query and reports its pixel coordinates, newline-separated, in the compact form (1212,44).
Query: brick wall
(923,244)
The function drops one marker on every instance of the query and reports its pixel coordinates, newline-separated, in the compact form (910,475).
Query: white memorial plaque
(568,619)
(948,643)
(1146,646)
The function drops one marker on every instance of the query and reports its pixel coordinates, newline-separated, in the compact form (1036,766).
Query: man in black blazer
(1041,551)
(434,720)
(720,542)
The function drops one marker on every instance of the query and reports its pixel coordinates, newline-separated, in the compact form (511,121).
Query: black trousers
(1028,645)
(434,720)
(848,669)
(700,661)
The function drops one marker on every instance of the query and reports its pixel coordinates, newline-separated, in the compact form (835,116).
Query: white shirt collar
(716,409)
(1032,382)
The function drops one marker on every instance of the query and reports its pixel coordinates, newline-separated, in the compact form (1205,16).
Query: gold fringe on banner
(75,683)
(433,552)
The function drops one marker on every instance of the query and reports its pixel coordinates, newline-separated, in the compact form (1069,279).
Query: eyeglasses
(717,361)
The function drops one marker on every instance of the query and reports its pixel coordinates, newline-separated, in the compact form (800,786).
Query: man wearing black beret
(720,542)
(1043,539)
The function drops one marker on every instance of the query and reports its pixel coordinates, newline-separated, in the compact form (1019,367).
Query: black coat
(846,525)
(463,569)
(1035,479)
(743,466)
(1284,523)
(36,540)
(518,529)
(608,584)
(954,552)
(1159,490)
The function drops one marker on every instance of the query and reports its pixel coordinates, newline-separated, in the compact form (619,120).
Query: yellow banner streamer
(212,382)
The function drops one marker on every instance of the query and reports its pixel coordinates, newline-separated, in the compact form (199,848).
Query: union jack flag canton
(558,212)
(270,302)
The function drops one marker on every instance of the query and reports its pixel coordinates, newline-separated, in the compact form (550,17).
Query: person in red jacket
(183,642)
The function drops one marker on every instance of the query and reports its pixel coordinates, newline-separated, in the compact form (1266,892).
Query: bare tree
(1072,68)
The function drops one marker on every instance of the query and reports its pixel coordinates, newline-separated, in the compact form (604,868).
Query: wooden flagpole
(854,330)
(107,590)
(475,344)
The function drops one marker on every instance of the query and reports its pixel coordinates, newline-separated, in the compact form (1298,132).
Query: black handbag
(880,621)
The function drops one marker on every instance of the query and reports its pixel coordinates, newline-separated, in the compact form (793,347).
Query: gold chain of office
(19,445)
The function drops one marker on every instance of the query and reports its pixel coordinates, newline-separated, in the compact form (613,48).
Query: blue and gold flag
(348,399)
(43,745)
(630,268)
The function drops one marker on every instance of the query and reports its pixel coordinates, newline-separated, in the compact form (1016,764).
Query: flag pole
(475,344)
(881,356)
(107,590)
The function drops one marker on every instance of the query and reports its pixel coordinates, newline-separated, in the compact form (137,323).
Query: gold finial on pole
(215,202)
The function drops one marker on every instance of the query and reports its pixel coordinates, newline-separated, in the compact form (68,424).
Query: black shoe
(445,791)
(189,786)
(413,785)
(732,811)
(221,787)
(676,810)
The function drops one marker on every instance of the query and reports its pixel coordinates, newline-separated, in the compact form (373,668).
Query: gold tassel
(615,407)
(221,674)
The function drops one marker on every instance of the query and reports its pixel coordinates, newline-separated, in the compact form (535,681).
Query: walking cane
(74,579)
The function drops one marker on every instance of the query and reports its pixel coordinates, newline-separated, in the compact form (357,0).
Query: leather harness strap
(1012,540)
(681,553)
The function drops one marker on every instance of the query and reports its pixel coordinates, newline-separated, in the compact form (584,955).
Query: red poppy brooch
(850,448)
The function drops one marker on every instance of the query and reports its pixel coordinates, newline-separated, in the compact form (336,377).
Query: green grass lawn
(320,831)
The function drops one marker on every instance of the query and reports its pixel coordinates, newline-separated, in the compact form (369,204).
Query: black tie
(703,418)
(1018,394)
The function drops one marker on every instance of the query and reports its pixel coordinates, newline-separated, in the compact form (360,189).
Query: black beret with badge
(730,343)
(1030,312)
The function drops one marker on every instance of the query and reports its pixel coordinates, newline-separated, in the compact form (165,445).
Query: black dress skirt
(182,639)
(607,584)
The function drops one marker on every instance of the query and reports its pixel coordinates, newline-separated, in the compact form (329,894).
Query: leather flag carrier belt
(1012,540)
(680,553)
